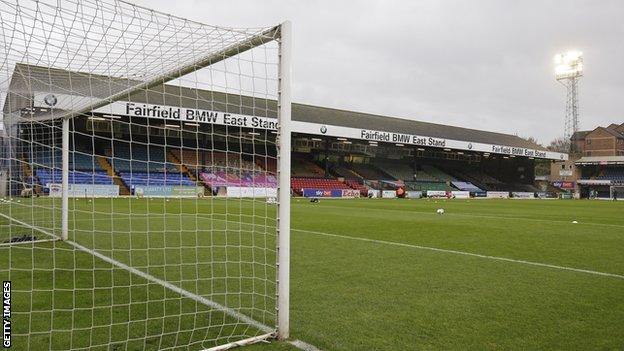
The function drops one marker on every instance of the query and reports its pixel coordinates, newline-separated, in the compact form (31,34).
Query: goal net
(144,178)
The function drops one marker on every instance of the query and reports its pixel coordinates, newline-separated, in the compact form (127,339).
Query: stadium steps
(303,168)
(357,175)
(29,173)
(369,171)
(467,177)
(181,166)
(123,188)
(343,172)
(173,158)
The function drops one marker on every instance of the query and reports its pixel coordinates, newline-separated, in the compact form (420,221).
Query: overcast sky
(478,64)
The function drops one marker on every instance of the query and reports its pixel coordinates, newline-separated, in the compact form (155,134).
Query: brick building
(602,141)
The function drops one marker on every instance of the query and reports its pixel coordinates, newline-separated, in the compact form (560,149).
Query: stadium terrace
(248,112)
(332,149)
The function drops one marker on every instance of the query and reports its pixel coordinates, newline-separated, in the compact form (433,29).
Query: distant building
(596,164)
(602,141)
(598,167)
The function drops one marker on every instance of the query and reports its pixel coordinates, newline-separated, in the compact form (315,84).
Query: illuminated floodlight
(568,71)
(569,65)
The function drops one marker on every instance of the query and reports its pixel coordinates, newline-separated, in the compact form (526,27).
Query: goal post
(284,106)
(139,153)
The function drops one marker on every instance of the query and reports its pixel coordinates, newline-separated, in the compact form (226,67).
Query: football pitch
(365,274)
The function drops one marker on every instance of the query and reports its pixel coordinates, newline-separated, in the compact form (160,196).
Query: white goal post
(616,192)
(144,178)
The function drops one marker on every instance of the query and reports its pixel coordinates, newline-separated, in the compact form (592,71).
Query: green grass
(350,290)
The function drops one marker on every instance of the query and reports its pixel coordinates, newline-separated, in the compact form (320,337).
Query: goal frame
(283,35)
(620,191)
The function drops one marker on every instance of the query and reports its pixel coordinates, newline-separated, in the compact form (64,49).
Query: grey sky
(479,64)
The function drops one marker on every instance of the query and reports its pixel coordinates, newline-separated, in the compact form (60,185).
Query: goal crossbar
(233,50)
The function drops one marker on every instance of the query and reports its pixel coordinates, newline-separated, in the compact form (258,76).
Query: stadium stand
(480,179)
(523,187)
(304,168)
(84,169)
(47,176)
(139,158)
(149,165)
(424,186)
(191,158)
(612,174)
(345,172)
(198,160)
(355,184)
(143,165)
(230,160)
(155,178)
(297,184)
(396,168)
(246,179)
(438,168)
(221,169)
(437,174)
(267,163)
(368,171)
(466,186)
(422,176)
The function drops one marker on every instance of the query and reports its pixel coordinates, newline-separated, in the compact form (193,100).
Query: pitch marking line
(302,345)
(428,248)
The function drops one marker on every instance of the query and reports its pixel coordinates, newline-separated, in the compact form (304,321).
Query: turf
(362,277)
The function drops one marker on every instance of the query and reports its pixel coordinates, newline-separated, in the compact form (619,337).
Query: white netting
(170,242)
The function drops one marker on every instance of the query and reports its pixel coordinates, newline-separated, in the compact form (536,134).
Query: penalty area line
(463,253)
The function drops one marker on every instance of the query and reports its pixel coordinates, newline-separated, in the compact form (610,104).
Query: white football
(440,211)
(575,222)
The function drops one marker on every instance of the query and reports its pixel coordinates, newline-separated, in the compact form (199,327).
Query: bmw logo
(50,100)
(323,129)
(470,146)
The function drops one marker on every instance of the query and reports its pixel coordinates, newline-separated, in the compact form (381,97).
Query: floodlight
(568,70)
(569,65)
